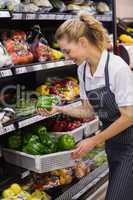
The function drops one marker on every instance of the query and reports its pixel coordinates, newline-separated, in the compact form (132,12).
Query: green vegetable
(44,102)
(66,142)
(34,139)
(34,148)
(14,141)
(26,138)
(41,131)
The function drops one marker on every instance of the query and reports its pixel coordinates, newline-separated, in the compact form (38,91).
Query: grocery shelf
(86,183)
(21,69)
(39,163)
(26,121)
(54,16)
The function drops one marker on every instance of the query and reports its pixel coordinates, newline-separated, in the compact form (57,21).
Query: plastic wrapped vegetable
(44,102)
(5,59)
(18,48)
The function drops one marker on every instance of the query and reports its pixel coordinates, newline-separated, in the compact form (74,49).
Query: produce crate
(77,133)
(91,127)
(37,163)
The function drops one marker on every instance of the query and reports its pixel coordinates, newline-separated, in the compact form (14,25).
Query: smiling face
(75,51)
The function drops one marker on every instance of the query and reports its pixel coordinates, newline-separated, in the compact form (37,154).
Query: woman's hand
(83,147)
(45,112)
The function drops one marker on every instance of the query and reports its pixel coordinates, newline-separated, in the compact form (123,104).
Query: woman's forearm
(77,112)
(114,129)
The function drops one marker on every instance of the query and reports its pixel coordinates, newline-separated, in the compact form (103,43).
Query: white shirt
(120,79)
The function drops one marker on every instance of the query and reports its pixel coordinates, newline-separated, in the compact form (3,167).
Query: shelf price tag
(50,65)
(25,174)
(59,17)
(21,70)
(17,16)
(2,131)
(9,128)
(32,68)
(5,73)
(4,14)
(43,16)
(51,16)
(30,16)
(31,120)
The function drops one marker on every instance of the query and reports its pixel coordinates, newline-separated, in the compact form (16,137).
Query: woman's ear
(83,42)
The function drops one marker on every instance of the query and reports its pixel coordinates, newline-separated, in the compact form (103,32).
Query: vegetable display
(40,142)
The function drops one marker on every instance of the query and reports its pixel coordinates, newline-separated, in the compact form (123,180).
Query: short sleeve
(124,87)
(82,90)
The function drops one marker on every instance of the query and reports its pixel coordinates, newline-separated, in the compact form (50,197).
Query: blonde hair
(86,26)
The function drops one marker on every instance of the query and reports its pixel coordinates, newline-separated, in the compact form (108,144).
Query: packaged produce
(62,123)
(5,58)
(12,5)
(126,39)
(18,48)
(100,158)
(24,107)
(16,192)
(47,102)
(42,3)
(67,89)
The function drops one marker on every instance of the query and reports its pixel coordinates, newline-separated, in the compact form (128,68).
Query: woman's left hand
(83,147)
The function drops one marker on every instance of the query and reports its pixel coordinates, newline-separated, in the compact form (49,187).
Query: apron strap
(105,71)
(84,72)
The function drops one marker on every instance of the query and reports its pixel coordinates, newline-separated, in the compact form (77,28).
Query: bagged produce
(47,102)
(42,3)
(5,59)
(18,48)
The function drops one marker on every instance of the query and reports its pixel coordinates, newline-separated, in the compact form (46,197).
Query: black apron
(119,149)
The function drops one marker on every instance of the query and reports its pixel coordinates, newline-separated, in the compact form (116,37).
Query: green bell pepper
(65,142)
(14,141)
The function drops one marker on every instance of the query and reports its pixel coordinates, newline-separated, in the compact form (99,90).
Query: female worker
(106,88)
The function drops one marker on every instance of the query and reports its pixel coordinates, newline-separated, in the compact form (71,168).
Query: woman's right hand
(45,112)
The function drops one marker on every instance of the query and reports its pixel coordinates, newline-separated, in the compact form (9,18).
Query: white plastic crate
(39,164)
(77,133)
(91,127)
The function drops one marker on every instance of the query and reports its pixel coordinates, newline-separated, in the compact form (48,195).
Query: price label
(34,68)
(51,16)
(2,131)
(50,65)
(21,70)
(9,128)
(43,16)
(25,174)
(68,17)
(16,16)
(31,120)
(4,14)
(30,16)
(5,73)
(68,62)
(59,17)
